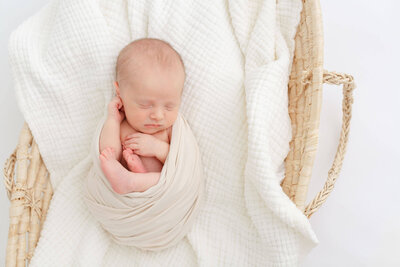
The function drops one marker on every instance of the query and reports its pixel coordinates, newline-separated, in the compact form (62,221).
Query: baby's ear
(116,87)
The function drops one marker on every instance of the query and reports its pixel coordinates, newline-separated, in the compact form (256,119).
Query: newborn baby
(134,141)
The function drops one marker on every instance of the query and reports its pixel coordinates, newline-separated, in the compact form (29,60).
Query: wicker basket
(30,190)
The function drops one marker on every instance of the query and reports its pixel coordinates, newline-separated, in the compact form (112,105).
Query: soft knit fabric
(161,216)
(237,55)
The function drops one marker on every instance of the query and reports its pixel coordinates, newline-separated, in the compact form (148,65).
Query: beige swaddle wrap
(163,214)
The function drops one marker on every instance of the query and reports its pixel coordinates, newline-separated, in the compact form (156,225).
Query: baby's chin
(149,130)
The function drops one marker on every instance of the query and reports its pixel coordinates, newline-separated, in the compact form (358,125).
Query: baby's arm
(110,133)
(109,137)
(162,152)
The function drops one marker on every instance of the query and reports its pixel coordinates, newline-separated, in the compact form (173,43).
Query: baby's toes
(126,153)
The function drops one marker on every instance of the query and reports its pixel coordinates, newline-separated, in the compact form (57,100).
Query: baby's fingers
(130,138)
(118,104)
(131,146)
(129,141)
(117,101)
(134,135)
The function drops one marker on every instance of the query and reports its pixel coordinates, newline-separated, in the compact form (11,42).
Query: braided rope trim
(348,86)
(9,173)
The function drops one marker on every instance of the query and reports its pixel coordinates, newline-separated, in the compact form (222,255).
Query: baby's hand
(116,109)
(142,144)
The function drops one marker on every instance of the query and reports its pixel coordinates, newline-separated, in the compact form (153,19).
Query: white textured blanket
(237,54)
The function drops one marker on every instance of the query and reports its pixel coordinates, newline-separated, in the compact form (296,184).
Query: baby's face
(151,98)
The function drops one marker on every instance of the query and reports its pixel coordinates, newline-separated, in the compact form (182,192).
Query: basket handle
(348,87)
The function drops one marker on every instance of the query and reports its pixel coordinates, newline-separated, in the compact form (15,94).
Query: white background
(359,224)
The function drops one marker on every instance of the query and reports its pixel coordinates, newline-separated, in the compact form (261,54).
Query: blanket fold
(162,215)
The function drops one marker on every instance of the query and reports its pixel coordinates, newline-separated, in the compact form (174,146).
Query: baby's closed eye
(168,107)
(145,106)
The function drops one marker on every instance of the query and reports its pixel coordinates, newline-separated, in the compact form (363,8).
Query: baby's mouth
(153,125)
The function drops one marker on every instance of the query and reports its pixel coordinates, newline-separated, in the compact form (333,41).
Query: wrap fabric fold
(162,215)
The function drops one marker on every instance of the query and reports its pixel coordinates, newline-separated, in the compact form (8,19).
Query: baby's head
(149,80)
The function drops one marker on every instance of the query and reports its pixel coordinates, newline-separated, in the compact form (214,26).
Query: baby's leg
(123,181)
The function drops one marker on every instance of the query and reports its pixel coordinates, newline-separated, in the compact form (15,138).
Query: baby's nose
(157,114)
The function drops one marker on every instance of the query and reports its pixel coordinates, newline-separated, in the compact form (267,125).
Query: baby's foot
(120,179)
(134,162)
